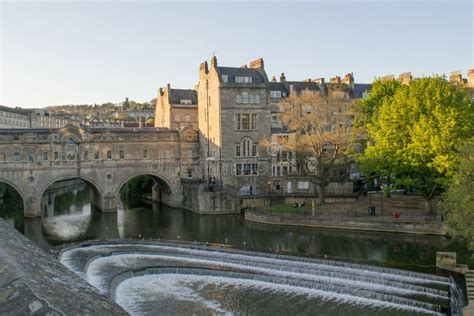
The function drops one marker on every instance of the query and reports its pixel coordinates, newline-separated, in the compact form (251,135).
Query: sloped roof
(176,95)
(299,86)
(232,72)
(360,88)
(15,110)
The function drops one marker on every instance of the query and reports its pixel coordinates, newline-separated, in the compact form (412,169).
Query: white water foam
(131,293)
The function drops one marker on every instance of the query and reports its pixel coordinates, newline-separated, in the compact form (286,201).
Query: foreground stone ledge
(34,282)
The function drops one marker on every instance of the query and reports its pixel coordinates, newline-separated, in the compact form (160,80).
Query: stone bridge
(31,160)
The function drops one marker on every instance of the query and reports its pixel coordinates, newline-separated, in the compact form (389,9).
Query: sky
(71,52)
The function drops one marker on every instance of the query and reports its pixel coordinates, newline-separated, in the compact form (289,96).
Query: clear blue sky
(74,53)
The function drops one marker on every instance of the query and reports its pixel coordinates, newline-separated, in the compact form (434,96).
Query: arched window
(247,148)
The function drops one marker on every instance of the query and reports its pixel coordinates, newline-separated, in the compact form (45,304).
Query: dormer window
(240,79)
(275,94)
(225,78)
(186,102)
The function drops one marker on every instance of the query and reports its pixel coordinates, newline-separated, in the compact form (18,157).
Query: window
(255,169)
(275,94)
(96,155)
(16,156)
(225,78)
(241,79)
(246,121)
(168,154)
(145,153)
(254,150)
(190,153)
(247,171)
(45,156)
(186,102)
(237,150)
(109,154)
(239,98)
(257,98)
(238,169)
(15,137)
(254,120)
(190,172)
(85,155)
(121,154)
(56,155)
(245,97)
(246,147)
(63,156)
(245,117)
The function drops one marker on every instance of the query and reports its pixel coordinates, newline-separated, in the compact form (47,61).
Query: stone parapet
(34,282)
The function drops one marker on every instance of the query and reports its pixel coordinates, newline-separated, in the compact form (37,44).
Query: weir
(127,269)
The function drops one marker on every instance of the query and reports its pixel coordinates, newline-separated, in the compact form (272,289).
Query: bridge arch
(97,191)
(162,190)
(18,190)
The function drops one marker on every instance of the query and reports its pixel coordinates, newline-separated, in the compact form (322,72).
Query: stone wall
(34,282)
(198,198)
(309,221)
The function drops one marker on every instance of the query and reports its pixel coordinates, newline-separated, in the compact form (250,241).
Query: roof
(299,86)
(15,110)
(233,72)
(176,95)
(360,88)
(277,86)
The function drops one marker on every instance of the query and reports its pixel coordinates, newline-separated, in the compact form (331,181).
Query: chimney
(168,87)
(274,79)
(336,79)
(203,67)
(405,77)
(319,80)
(214,62)
(257,64)
(244,66)
(387,78)
(455,77)
(282,77)
(470,78)
(348,79)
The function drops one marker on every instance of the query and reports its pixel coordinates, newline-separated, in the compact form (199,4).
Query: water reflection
(68,216)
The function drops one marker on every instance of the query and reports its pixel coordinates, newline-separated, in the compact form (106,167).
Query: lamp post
(270,192)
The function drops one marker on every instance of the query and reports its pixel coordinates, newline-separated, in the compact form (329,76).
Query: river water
(69,217)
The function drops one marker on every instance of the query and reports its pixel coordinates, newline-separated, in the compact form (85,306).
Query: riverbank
(344,221)
(34,282)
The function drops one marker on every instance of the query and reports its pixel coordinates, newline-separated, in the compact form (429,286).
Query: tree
(413,132)
(321,129)
(458,201)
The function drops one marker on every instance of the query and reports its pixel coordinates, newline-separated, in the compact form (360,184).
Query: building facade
(238,117)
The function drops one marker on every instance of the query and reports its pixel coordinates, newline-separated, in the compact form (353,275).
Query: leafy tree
(413,132)
(321,129)
(458,201)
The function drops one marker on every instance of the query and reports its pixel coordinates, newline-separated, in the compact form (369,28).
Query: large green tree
(414,131)
(458,201)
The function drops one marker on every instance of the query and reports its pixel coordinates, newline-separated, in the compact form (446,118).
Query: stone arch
(20,192)
(97,196)
(162,192)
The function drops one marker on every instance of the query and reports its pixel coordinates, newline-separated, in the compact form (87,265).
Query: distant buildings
(14,117)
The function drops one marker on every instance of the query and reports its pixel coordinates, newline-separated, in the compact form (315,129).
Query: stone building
(14,117)
(176,108)
(234,120)
(238,118)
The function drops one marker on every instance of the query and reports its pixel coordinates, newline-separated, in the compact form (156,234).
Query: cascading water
(150,278)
